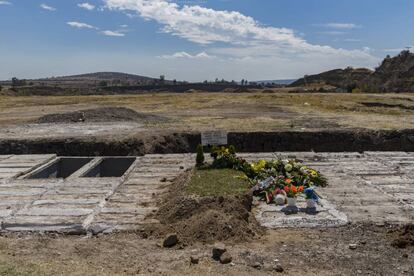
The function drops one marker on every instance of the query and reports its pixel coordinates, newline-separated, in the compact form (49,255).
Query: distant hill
(111,78)
(102,76)
(280,82)
(341,78)
(395,74)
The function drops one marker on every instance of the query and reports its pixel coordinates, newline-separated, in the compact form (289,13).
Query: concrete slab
(12,166)
(325,215)
(373,187)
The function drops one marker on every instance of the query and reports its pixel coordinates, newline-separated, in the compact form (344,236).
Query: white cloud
(112,33)
(243,46)
(341,26)
(47,7)
(5,3)
(179,55)
(207,26)
(352,40)
(397,50)
(332,33)
(81,25)
(86,6)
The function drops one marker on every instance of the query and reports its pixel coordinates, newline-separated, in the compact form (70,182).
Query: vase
(310,204)
(291,201)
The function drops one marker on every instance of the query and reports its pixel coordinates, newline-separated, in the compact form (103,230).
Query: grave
(62,167)
(111,167)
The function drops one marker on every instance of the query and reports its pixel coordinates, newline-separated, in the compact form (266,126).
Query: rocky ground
(356,249)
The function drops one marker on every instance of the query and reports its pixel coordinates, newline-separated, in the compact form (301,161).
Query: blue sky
(199,39)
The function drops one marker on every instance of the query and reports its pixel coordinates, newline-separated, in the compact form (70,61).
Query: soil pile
(102,114)
(404,236)
(205,219)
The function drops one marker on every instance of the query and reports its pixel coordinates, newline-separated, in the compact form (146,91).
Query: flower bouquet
(292,192)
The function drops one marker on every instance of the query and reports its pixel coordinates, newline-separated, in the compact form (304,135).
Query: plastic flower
(297,165)
(288,167)
(258,166)
(313,173)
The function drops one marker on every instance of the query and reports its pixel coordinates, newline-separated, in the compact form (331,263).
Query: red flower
(286,189)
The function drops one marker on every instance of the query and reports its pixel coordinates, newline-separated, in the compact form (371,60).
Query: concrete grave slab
(374,187)
(325,215)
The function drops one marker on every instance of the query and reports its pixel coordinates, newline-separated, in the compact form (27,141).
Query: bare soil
(102,114)
(404,236)
(297,251)
(204,219)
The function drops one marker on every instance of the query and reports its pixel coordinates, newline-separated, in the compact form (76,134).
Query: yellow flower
(314,173)
(259,165)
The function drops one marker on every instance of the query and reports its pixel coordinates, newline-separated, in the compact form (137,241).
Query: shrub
(200,156)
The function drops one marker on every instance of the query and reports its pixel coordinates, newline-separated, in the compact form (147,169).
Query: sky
(197,40)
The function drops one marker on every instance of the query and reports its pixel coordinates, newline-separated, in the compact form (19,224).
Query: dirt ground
(350,250)
(101,114)
(255,111)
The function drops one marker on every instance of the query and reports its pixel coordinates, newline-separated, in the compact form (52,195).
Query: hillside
(342,78)
(111,78)
(395,74)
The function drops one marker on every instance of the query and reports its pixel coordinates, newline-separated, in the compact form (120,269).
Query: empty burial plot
(61,168)
(111,167)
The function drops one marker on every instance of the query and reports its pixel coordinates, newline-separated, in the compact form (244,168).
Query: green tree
(17,82)
(162,79)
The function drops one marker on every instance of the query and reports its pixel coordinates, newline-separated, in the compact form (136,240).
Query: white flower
(288,167)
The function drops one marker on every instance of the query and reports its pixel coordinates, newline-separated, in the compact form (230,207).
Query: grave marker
(214,138)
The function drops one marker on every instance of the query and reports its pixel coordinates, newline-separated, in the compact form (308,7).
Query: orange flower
(286,189)
(294,189)
(301,188)
(288,180)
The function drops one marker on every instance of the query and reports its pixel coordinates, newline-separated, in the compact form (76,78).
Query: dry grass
(234,111)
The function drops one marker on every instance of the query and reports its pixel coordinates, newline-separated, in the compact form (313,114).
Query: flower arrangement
(293,191)
(272,177)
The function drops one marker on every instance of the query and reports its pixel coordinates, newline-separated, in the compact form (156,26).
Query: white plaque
(214,138)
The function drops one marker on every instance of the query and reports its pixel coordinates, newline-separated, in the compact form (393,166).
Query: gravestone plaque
(214,138)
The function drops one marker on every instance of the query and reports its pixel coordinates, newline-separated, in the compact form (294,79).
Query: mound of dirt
(102,114)
(403,237)
(205,219)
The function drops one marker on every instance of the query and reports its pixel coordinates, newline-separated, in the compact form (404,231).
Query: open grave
(61,167)
(110,167)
